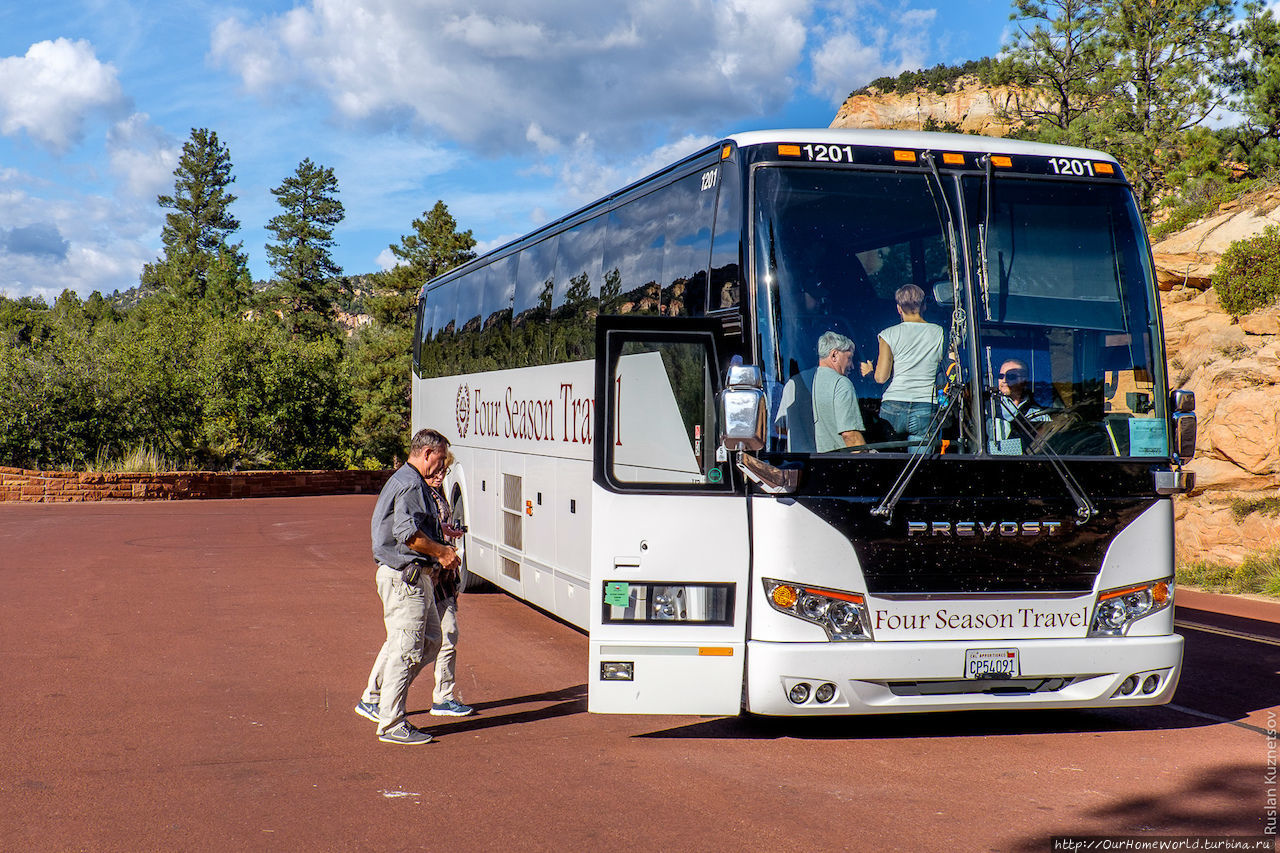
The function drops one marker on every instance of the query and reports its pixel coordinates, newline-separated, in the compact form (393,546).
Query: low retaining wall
(17,484)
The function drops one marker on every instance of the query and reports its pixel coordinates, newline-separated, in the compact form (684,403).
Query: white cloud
(74,240)
(499,75)
(142,156)
(51,91)
(881,41)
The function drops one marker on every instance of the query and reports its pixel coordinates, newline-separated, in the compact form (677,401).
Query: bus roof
(917,139)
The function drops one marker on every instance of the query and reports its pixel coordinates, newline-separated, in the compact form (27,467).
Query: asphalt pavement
(181,676)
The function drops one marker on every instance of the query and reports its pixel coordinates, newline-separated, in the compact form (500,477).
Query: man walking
(407,543)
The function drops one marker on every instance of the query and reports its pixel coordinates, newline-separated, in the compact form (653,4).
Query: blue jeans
(911,419)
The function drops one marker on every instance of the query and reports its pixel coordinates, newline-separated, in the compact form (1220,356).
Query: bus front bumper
(904,677)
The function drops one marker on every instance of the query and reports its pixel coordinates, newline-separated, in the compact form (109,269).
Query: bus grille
(512,516)
(989,686)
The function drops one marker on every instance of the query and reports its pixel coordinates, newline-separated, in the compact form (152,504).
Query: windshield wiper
(1085,509)
(885,508)
(955,371)
(984,275)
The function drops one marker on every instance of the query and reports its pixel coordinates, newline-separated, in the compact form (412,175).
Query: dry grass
(1259,574)
(142,459)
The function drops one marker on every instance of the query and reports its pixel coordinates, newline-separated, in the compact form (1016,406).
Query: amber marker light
(1160,593)
(953,159)
(904,156)
(725,152)
(843,596)
(1002,161)
(715,651)
(1104,168)
(784,596)
(788,150)
(1116,593)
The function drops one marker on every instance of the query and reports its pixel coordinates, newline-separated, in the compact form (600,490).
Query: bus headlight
(843,615)
(1119,608)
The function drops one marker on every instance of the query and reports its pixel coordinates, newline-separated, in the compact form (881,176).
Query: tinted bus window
(686,217)
(578,263)
(535,282)
(436,352)
(726,250)
(471,302)
(633,257)
(499,292)
(421,330)
(577,291)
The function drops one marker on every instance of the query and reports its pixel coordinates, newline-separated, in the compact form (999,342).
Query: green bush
(1248,276)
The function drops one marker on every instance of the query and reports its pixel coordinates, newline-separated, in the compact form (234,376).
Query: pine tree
(199,263)
(381,378)
(1056,55)
(306,287)
(1165,74)
(1255,79)
(435,247)
(1132,77)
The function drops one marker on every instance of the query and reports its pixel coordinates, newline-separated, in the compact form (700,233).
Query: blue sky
(511,111)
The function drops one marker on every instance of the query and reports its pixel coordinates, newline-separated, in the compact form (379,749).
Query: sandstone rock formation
(1189,256)
(971,106)
(1234,370)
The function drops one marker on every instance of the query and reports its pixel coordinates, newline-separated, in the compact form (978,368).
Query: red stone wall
(62,486)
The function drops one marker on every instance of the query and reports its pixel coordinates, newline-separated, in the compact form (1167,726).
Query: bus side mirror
(743,409)
(1183,405)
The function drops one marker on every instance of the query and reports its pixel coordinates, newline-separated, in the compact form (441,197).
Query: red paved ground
(180,676)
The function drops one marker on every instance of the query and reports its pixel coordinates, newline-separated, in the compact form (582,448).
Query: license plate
(991,663)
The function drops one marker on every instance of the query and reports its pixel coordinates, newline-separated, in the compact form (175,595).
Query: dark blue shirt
(403,508)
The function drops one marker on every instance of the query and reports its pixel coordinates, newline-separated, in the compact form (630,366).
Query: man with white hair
(837,420)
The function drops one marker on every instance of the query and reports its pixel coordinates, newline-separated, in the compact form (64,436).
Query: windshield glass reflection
(1066,329)
(853,260)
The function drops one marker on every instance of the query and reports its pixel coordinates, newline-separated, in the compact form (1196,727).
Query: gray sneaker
(368,710)
(406,734)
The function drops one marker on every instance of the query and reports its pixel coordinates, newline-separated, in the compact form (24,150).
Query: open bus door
(670,545)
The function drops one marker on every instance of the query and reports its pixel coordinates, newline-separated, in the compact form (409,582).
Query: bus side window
(495,334)
(535,282)
(726,248)
(633,257)
(665,415)
(470,317)
(422,331)
(577,291)
(687,217)
(440,359)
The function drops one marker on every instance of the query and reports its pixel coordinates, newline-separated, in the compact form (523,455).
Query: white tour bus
(618,385)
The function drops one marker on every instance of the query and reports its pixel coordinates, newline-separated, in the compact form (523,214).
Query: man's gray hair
(427,439)
(833,340)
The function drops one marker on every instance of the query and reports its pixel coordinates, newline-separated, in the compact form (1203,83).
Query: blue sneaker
(368,710)
(452,708)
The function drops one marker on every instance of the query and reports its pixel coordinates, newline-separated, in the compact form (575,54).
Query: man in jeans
(407,542)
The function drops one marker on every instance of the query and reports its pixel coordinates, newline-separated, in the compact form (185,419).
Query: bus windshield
(1066,325)
(865,261)
(833,247)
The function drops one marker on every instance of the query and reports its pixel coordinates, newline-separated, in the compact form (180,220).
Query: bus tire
(467,582)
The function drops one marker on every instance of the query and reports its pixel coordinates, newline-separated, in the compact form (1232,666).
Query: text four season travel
(565,417)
